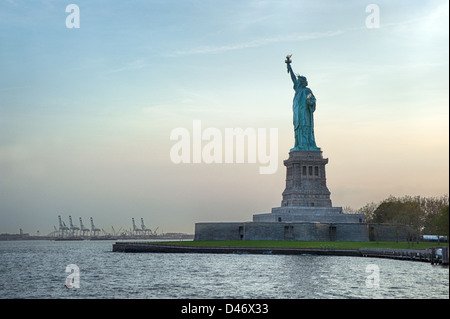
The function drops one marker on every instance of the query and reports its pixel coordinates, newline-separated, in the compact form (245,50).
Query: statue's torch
(288,61)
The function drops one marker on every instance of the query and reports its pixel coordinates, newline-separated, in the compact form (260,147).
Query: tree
(441,222)
(426,215)
(368,211)
(432,207)
(400,212)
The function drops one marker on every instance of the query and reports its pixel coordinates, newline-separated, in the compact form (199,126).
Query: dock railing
(432,255)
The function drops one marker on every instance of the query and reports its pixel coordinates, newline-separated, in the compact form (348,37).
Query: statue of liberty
(303,106)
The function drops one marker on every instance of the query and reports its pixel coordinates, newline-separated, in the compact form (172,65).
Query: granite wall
(299,231)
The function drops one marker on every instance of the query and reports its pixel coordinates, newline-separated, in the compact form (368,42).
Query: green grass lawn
(303,244)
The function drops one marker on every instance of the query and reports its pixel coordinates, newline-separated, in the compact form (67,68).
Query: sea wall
(299,231)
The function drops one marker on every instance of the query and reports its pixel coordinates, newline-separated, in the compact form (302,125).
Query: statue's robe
(303,110)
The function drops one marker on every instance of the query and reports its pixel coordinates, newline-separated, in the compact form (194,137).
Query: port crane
(73,228)
(135,228)
(94,230)
(147,231)
(62,226)
(116,233)
(83,229)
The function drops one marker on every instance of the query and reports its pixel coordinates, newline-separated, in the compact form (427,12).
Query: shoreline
(136,247)
(422,255)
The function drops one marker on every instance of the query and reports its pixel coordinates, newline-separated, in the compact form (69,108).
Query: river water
(36,269)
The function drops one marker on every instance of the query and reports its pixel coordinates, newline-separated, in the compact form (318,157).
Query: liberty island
(306,212)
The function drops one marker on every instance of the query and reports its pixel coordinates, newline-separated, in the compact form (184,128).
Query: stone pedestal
(306,197)
(306,180)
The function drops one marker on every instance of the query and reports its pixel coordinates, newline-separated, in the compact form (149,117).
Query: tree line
(426,215)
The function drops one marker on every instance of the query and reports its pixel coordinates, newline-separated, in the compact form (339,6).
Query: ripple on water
(36,269)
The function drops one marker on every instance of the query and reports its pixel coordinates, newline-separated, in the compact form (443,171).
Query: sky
(86,113)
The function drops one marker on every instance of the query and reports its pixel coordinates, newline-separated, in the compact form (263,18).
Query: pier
(430,255)
(141,247)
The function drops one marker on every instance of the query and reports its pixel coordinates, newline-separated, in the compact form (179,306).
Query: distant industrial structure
(81,232)
(142,232)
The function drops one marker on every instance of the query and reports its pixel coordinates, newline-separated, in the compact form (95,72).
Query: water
(36,269)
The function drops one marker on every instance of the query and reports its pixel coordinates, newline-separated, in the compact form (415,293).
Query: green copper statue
(303,106)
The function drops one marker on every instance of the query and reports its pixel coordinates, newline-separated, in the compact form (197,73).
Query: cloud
(134,65)
(260,42)
(435,22)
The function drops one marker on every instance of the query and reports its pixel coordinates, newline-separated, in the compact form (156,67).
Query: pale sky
(86,113)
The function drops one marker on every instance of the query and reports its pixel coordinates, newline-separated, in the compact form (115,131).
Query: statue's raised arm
(289,69)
